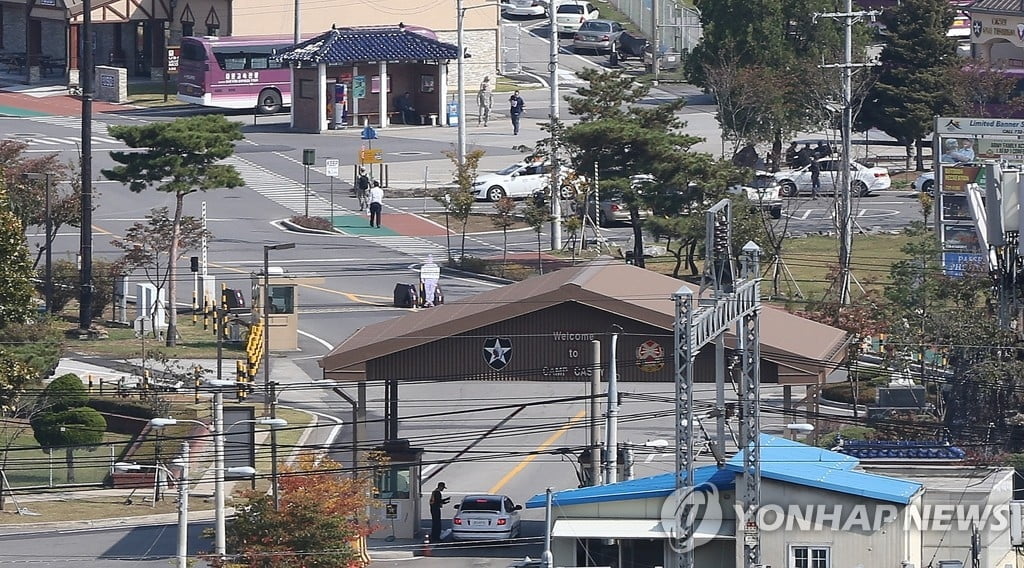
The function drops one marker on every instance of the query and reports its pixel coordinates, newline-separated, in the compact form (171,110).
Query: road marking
(547,443)
(317,339)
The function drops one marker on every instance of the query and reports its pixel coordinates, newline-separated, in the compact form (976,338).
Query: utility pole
(595,410)
(844,206)
(656,39)
(611,446)
(85,244)
(460,82)
(556,178)
(697,323)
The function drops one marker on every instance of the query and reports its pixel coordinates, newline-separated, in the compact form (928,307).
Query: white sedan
(532,8)
(521,180)
(486,517)
(864,179)
(570,15)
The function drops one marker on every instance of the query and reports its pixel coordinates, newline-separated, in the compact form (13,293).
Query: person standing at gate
(376,203)
(437,500)
(516,108)
(485,100)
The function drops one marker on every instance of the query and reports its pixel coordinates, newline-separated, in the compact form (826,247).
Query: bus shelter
(373,75)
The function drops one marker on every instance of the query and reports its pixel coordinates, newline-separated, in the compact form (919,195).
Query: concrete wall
(955,544)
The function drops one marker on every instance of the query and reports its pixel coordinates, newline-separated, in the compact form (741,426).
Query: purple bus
(235,72)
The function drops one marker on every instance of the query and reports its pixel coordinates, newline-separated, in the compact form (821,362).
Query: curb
(306,230)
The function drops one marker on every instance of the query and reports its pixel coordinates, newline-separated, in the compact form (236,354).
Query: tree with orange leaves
(323,514)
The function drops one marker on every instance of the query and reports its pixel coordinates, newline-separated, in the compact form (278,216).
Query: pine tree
(179,157)
(911,85)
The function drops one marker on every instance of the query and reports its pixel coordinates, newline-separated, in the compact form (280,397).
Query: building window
(810,557)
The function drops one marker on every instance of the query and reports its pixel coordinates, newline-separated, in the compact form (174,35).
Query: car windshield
(593,26)
(511,169)
(570,9)
(481,504)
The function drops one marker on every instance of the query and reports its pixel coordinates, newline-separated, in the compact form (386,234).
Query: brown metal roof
(796,343)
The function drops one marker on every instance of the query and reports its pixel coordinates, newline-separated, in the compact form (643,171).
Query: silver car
(597,35)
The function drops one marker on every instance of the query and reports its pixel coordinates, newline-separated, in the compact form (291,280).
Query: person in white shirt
(376,204)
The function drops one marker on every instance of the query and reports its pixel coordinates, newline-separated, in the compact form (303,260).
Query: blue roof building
(815,504)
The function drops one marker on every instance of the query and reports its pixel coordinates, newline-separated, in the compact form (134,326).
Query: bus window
(232,62)
(193,51)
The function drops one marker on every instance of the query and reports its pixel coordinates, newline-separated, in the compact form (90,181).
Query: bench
(374,118)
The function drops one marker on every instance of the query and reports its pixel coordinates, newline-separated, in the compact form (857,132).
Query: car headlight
(477,183)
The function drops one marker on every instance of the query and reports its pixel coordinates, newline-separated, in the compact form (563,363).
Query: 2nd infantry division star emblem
(497,352)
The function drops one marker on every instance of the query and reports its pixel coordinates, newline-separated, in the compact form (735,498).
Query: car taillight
(456,521)
(882,175)
(581,19)
(615,207)
(502,520)
(605,38)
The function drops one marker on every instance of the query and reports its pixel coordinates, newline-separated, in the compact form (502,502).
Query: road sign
(332,167)
(369,133)
(374,156)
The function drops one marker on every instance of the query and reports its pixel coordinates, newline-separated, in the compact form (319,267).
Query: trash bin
(405,296)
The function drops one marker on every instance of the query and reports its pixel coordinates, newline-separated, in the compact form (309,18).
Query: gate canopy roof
(799,346)
(342,46)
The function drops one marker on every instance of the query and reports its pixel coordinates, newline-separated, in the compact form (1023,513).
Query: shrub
(831,439)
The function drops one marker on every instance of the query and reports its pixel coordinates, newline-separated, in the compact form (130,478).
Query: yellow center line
(547,443)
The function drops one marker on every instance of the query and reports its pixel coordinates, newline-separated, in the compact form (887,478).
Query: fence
(680,25)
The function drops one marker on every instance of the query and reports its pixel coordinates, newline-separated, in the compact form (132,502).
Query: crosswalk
(412,246)
(282,190)
(100,135)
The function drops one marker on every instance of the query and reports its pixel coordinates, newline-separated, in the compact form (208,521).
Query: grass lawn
(29,466)
(152,93)
(808,261)
(194,343)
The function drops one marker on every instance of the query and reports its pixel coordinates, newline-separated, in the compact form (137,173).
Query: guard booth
(397,487)
(282,302)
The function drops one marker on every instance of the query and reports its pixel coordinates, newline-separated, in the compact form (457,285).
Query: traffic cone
(427,551)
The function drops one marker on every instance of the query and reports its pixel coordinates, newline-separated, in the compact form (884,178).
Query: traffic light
(194,263)
(241,381)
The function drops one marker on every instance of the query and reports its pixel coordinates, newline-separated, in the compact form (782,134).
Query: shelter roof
(1007,6)
(339,46)
(642,295)
(781,460)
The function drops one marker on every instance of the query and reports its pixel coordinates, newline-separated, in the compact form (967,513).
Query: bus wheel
(269,101)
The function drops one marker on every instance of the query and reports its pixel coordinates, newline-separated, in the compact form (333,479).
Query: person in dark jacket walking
(815,178)
(437,500)
(515,111)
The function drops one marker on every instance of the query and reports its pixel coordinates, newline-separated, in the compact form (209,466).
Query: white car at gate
(486,517)
(521,180)
(864,179)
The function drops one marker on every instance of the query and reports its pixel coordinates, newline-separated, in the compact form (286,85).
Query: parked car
(528,8)
(609,209)
(486,517)
(598,35)
(765,192)
(864,179)
(924,183)
(571,15)
(520,180)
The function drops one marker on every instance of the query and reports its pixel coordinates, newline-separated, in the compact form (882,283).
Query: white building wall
(847,538)
(954,543)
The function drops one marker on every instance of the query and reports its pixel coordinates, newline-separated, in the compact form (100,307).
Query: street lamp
(182,481)
(220,546)
(270,405)
(48,285)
